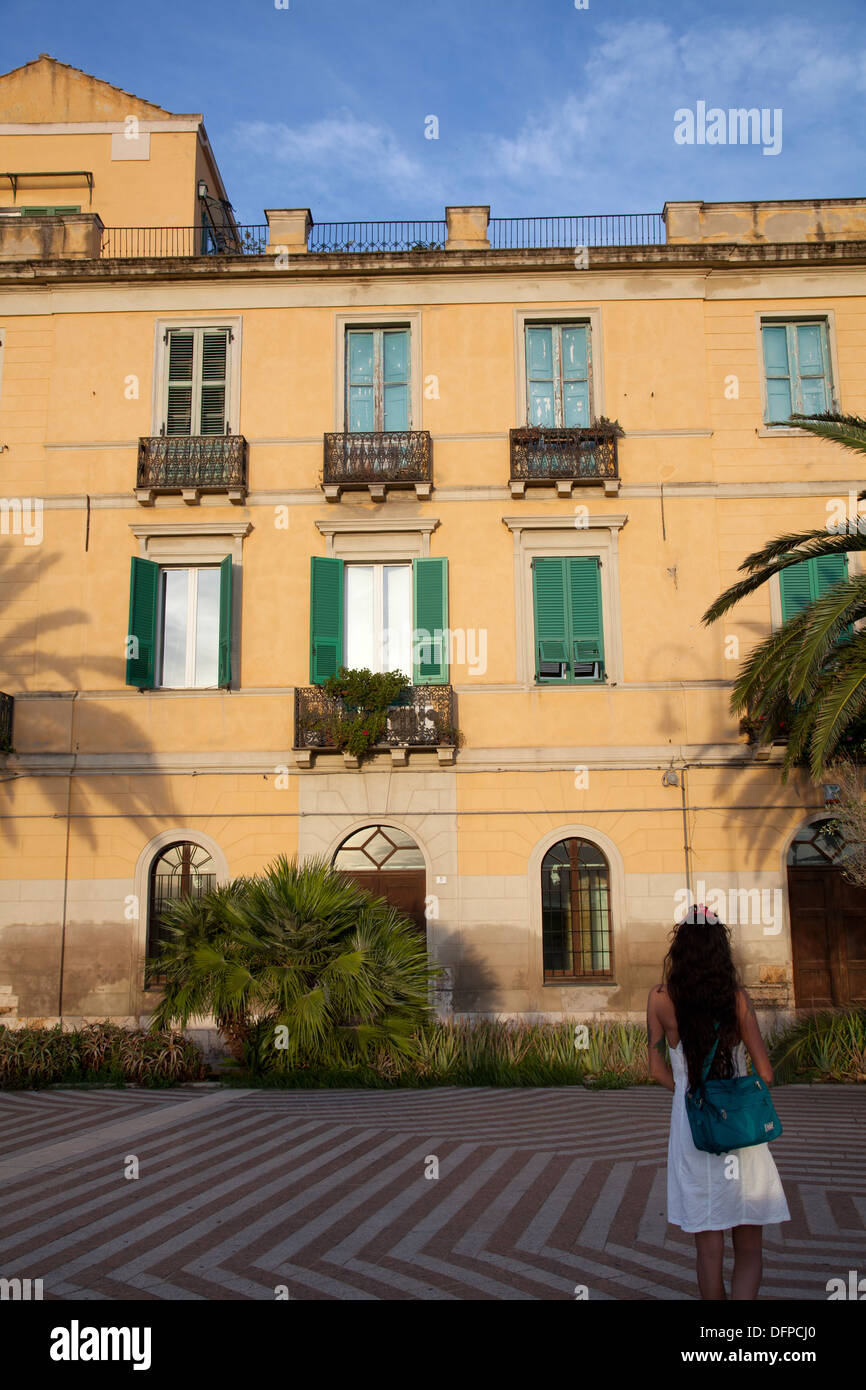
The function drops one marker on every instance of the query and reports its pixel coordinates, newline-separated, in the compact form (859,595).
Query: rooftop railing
(503,233)
(610,229)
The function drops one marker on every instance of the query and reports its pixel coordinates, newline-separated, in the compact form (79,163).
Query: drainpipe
(74,750)
(686,831)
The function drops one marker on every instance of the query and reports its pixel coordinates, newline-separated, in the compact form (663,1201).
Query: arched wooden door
(828,922)
(387,863)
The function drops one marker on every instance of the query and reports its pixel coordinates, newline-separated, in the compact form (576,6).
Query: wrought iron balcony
(376,460)
(422,718)
(541,454)
(6,706)
(192,464)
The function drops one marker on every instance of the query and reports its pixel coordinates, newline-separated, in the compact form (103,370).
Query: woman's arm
(659,1068)
(751,1035)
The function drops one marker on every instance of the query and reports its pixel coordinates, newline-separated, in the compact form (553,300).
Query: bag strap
(709,1062)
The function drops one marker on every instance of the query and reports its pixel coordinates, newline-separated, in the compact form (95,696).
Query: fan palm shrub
(299,966)
(807,681)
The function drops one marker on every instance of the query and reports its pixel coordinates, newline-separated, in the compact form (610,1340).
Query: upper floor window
(800,585)
(569,635)
(47,212)
(377,379)
(179,625)
(386,616)
(197,372)
(796,369)
(558,375)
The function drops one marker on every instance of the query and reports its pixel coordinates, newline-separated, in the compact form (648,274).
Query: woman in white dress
(709,1194)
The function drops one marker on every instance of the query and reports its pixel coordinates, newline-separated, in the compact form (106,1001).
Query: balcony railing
(6,707)
(422,718)
(376,459)
(192,464)
(543,455)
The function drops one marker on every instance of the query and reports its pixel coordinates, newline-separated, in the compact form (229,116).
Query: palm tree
(299,965)
(808,679)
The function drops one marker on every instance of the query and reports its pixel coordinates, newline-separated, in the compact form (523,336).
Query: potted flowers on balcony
(358,713)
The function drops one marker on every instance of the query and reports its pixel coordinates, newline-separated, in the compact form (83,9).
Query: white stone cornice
(143,530)
(607,521)
(378,523)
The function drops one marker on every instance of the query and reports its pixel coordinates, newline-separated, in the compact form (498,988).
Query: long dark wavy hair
(702,982)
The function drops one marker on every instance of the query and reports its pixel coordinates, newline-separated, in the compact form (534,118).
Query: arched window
(181,870)
(379,847)
(818,846)
(575,912)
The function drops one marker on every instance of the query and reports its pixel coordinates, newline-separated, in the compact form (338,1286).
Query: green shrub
(97,1052)
(828,1045)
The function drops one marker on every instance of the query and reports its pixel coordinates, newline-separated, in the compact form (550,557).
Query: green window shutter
(584,609)
(795,586)
(214,373)
(550,612)
(829,570)
(141,638)
(181,355)
(430,616)
(47,212)
(326,617)
(225,637)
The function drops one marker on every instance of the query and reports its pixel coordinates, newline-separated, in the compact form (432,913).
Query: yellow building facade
(232,460)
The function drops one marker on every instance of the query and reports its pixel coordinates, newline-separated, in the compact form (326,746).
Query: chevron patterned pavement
(326,1194)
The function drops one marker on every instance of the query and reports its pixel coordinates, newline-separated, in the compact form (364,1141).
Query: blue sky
(542,108)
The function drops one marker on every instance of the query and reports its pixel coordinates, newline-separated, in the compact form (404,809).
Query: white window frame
(189,682)
(590,318)
(410,321)
(160,372)
(779,317)
(200,545)
(378,567)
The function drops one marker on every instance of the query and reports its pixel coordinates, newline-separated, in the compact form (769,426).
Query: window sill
(774,431)
(596,980)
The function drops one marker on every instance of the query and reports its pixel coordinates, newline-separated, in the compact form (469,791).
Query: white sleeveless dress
(700,1195)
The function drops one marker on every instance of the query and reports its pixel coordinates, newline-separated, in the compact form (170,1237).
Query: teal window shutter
(360,406)
(225,629)
(326,617)
(141,637)
(584,596)
(430,620)
(574,354)
(551,621)
(540,401)
(777,372)
(396,379)
(797,369)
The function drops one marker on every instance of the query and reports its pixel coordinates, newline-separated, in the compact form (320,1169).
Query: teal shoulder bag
(733,1114)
